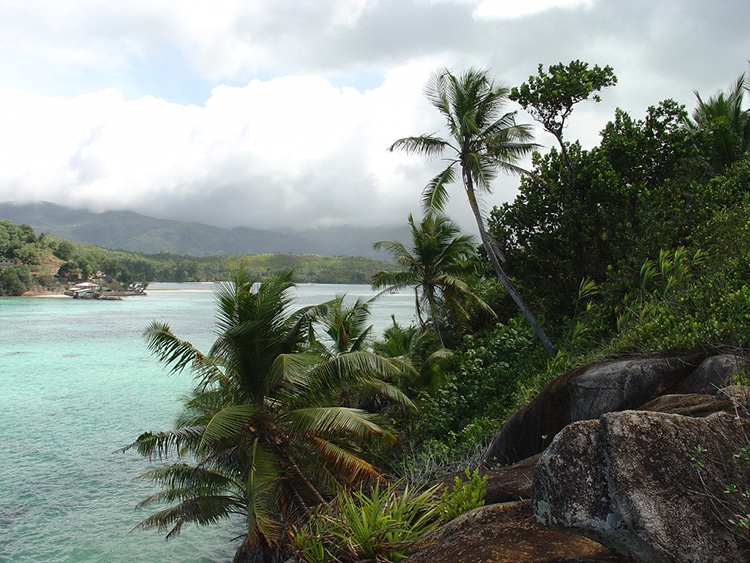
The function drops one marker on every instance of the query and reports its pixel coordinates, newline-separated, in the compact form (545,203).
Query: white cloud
(313,152)
(514,9)
(268,114)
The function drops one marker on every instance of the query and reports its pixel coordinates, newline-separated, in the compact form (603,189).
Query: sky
(277,114)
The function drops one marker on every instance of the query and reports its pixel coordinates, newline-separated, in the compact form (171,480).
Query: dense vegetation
(640,244)
(28,259)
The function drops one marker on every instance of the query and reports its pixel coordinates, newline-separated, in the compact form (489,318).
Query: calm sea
(77,383)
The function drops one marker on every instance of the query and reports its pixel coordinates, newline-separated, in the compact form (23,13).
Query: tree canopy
(264,424)
(483,139)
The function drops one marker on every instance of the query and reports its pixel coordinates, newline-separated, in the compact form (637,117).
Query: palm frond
(182,481)
(344,461)
(168,348)
(349,369)
(226,423)
(393,281)
(332,421)
(435,193)
(203,511)
(291,372)
(481,168)
(422,145)
(262,477)
(436,92)
(162,444)
(391,392)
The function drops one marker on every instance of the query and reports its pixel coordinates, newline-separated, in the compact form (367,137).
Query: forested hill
(42,263)
(126,230)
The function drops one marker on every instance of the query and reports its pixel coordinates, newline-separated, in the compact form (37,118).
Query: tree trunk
(433,313)
(494,255)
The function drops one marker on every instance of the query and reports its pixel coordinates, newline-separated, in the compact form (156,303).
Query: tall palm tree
(436,267)
(482,141)
(726,122)
(266,438)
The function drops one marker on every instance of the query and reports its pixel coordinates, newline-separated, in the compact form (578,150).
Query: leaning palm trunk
(493,253)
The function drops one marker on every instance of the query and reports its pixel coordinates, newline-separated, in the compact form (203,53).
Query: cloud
(508,9)
(313,153)
(247,113)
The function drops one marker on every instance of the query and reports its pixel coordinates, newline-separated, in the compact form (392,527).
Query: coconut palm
(482,141)
(418,350)
(726,122)
(263,434)
(436,267)
(344,326)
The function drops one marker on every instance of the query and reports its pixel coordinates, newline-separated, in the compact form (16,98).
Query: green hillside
(129,231)
(40,262)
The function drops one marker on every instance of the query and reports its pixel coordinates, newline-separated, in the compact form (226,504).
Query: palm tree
(344,326)
(436,267)
(266,438)
(482,141)
(723,118)
(418,350)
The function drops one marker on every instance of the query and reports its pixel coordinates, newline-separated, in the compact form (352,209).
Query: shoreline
(41,292)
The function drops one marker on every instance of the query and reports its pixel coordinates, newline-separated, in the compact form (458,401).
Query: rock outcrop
(506,533)
(648,485)
(616,484)
(589,392)
(691,404)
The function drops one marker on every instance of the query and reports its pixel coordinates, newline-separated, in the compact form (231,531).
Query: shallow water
(77,383)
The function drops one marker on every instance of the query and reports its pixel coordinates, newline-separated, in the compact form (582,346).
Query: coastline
(38,291)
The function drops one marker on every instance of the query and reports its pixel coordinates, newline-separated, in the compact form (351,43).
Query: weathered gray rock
(510,483)
(635,482)
(583,394)
(692,404)
(738,394)
(714,373)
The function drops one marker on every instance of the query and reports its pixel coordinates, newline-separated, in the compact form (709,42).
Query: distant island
(37,263)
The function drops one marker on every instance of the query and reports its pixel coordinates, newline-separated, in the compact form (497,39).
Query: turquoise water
(77,383)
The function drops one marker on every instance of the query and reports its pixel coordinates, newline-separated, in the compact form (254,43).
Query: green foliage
(20,244)
(175,268)
(437,267)
(14,280)
(465,495)
(265,422)
(63,249)
(487,377)
(358,526)
(493,367)
(423,360)
(697,457)
(724,126)
(423,459)
(482,141)
(25,250)
(550,96)
(628,198)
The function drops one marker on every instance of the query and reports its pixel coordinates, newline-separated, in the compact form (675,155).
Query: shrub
(378,526)
(465,495)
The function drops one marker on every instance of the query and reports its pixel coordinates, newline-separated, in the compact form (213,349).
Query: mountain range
(126,230)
